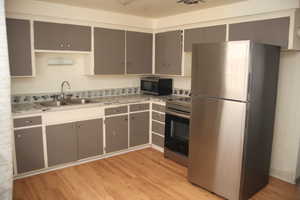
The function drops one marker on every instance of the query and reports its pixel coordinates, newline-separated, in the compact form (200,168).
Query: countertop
(36,108)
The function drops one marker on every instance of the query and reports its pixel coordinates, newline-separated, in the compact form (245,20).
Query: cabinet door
(204,35)
(79,38)
(90,138)
(168,53)
(29,149)
(271,31)
(62,143)
(139,52)
(116,133)
(55,36)
(109,51)
(19,47)
(139,129)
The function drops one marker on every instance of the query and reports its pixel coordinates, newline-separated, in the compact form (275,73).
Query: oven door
(177,133)
(150,87)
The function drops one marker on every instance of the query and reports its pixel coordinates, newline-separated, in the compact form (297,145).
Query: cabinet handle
(126,119)
(68,45)
(132,118)
(61,45)
(28,122)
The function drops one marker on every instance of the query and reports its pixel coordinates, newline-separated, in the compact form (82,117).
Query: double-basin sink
(80,101)
(67,102)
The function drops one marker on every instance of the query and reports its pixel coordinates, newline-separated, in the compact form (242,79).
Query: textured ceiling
(144,8)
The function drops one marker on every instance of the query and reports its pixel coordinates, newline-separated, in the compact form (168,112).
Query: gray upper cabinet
(29,149)
(204,35)
(139,129)
(62,143)
(109,51)
(139,52)
(19,47)
(116,133)
(55,36)
(168,53)
(271,31)
(90,138)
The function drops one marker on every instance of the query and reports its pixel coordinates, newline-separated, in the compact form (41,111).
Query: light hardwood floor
(139,175)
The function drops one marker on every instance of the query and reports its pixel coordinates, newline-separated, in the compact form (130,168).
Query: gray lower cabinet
(19,47)
(90,138)
(116,133)
(158,140)
(29,149)
(109,51)
(56,36)
(139,128)
(62,143)
(168,53)
(271,31)
(139,52)
(204,35)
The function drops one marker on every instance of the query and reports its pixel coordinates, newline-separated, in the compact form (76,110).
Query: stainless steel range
(178,112)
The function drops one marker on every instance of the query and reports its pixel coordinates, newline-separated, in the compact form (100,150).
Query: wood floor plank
(139,175)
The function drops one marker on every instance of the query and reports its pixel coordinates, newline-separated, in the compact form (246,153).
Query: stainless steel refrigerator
(234,88)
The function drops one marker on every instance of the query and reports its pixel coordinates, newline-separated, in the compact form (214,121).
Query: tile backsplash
(39,97)
(181,92)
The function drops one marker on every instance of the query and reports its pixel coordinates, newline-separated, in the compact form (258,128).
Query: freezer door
(221,70)
(216,145)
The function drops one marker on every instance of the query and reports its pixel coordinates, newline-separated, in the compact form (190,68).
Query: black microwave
(156,86)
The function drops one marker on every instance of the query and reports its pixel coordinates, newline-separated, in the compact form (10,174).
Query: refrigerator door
(216,145)
(221,70)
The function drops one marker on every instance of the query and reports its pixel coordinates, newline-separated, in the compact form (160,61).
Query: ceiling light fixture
(189,2)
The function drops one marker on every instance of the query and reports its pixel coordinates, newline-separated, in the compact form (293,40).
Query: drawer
(27,121)
(158,128)
(116,110)
(158,140)
(158,116)
(159,108)
(139,107)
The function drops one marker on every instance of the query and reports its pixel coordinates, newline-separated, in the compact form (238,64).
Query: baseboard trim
(108,155)
(283,175)
(158,148)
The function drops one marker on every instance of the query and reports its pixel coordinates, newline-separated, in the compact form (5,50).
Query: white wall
(244,8)
(49,10)
(5,116)
(49,78)
(287,126)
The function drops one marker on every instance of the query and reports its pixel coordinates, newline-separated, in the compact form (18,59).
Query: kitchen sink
(66,103)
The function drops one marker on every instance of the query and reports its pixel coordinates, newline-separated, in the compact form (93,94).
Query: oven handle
(177,114)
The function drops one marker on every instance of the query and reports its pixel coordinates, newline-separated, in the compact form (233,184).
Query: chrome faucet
(62,94)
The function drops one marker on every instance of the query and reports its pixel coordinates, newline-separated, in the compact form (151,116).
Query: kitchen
(107,58)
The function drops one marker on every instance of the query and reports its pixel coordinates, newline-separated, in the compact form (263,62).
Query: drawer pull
(28,121)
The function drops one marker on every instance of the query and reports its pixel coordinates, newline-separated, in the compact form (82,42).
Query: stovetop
(180,104)
(181,100)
